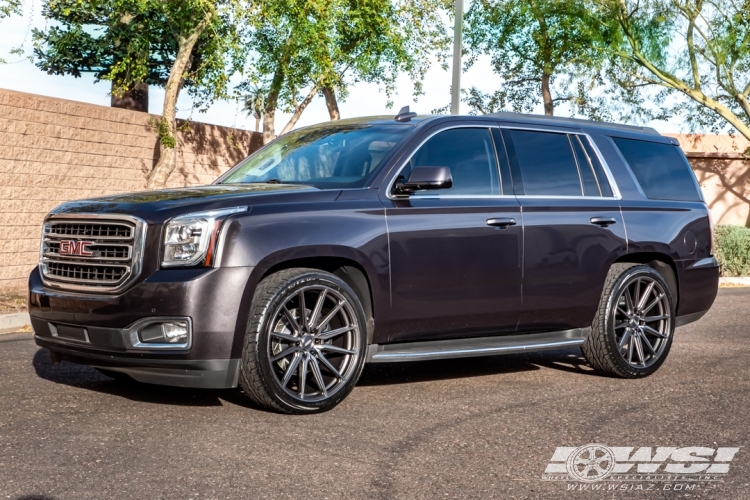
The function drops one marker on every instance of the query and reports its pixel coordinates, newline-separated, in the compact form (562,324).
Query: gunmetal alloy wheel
(633,328)
(314,343)
(305,343)
(643,321)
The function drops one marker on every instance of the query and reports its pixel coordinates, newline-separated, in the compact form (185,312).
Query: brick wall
(53,150)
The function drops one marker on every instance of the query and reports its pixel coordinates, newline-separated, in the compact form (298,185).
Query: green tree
(9,8)
(305,48)
(695,49)
(543,51)
(170,43)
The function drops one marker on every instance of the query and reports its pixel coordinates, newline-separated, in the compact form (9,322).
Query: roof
(554,120)
(514,117)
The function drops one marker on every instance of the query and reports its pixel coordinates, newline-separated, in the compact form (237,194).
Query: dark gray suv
(384,240)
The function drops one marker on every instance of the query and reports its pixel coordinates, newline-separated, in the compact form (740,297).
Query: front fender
(269,236)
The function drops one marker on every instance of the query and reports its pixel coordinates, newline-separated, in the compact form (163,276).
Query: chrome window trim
(139,243)
(488,127)
(616,195)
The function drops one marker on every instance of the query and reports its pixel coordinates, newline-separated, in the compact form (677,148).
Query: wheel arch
(662,263)
(350,271)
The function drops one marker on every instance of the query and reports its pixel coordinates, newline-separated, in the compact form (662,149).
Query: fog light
(173,332)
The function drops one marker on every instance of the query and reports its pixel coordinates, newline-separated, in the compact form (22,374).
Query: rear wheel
(633,329)
(305,342)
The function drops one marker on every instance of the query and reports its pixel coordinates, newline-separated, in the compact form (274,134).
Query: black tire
(260,376)
(119,376)
(601,348)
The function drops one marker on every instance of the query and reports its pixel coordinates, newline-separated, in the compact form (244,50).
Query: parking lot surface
(470,428)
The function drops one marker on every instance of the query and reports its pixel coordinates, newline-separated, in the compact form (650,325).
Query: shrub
(732,249)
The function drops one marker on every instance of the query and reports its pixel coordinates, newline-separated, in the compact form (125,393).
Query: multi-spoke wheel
(632,331)
(304,348)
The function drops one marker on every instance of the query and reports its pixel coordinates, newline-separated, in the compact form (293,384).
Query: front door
(573,228)
(456,253)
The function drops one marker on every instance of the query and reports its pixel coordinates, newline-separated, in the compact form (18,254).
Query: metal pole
(457,35)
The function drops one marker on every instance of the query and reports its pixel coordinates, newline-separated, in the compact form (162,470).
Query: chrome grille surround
(116,248)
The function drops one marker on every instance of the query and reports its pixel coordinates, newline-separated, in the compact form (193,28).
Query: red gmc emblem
(70,247)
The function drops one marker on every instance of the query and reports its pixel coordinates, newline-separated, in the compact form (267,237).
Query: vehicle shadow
(380,374)
(86,377)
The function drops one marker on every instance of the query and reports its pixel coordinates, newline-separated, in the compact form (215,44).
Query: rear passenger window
(660,169)
(470,155)
(545,161)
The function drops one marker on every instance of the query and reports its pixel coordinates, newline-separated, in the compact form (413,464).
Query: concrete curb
(11,322)
(741,281)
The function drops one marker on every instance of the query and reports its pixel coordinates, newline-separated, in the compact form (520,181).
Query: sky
(364,100)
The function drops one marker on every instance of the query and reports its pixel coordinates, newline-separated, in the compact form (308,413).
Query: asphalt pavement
(470,428)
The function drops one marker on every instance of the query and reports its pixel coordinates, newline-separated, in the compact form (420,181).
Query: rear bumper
(103,325)
(698,281)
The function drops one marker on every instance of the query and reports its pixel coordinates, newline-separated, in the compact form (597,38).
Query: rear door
(456,253)
(573,228)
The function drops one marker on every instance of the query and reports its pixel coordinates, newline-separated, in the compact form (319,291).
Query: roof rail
(573,121)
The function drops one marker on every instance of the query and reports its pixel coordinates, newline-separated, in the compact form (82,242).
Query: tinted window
(661,169)
(546,163)
(470,155)
(588,177)
(325,156)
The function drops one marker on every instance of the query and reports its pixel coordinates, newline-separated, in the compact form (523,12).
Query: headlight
(190,239)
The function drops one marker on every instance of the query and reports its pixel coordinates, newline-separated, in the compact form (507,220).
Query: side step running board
(481,346)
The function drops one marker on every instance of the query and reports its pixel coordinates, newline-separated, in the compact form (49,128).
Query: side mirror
(425,178)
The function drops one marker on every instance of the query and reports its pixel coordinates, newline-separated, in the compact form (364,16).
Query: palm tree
(255,103)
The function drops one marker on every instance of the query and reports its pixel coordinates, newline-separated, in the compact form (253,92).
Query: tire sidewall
(292,285)
(624,280)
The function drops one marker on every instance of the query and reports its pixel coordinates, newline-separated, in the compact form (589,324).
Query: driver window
(470,155)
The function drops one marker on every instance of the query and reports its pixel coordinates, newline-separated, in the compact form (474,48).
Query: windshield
(340,156)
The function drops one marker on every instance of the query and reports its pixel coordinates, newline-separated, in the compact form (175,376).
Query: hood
(157,206)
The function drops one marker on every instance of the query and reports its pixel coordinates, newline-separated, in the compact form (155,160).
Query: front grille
(98,255)
(86,230)
(82,273)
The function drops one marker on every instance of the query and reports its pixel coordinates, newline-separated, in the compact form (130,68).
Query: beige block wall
(723,172)
(53,150)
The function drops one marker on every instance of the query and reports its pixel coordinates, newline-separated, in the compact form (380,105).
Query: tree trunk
(257,122)
(268,118)
(549,105)
(299,109)
(168,126)
(135,99)
(331,103)
(269,113)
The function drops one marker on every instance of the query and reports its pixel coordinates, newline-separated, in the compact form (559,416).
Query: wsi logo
(72,247)
(597,462)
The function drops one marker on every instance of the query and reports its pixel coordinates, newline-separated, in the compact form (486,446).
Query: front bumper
(210,298)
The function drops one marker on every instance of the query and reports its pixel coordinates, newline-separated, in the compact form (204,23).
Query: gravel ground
(472,428)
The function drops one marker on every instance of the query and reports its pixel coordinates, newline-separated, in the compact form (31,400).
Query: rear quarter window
(660,169)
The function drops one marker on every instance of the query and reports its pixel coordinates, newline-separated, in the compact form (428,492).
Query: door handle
(501,222)
(603,221)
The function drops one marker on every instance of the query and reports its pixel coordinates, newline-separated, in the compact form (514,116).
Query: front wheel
(305,342)
(633,329)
